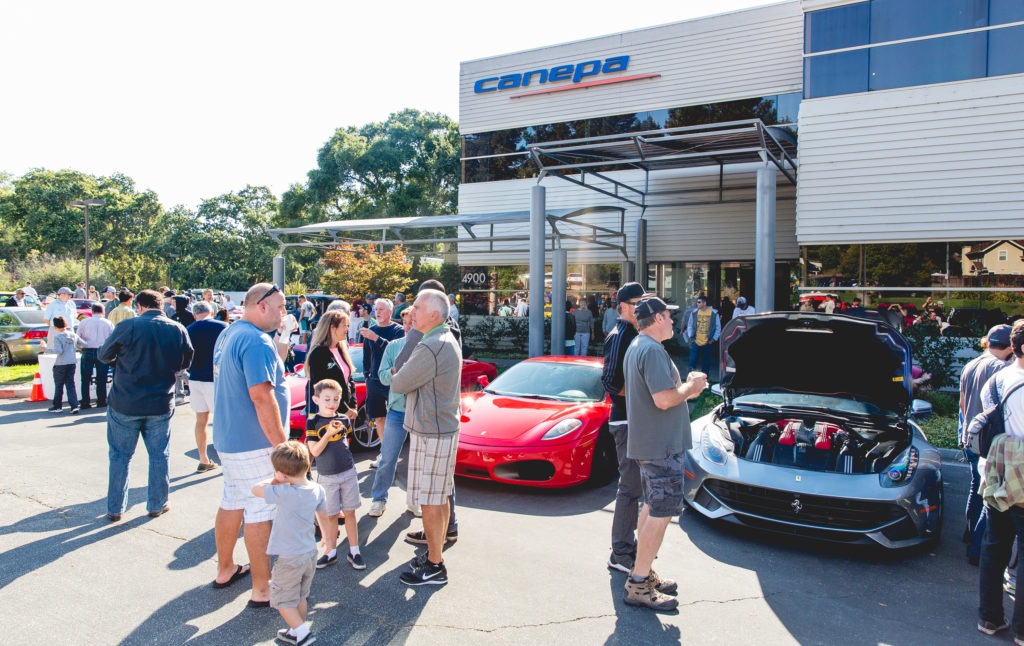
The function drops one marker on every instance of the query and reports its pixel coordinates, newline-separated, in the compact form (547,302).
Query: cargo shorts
(663,485)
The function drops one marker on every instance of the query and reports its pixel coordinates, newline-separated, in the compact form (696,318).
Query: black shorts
(376,398)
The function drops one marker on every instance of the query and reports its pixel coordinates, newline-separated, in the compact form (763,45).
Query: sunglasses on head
(273,289)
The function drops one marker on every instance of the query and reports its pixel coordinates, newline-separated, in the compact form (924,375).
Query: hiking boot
(666,586)
(646,595)
(377,509)
(621,562)
(427,574)
(990,628)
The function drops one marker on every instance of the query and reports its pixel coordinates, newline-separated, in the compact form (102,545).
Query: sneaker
(74,411)
(373,465)
(426,574)
(52,410)
(306,641)
(420,537)
(621,562)
(325,560)
(85,406)
(356,561)
(1019,641)
(418,561)
(286,636)
(415,511)
(178,401)
(646,595)
(666,586)
(990,628)
(377,509)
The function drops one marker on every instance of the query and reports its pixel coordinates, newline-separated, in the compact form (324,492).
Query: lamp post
(80,204)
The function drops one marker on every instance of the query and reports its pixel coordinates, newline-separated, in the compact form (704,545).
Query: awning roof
(478,228)
(720,144)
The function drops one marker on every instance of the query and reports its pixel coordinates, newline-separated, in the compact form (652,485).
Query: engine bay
(815,444)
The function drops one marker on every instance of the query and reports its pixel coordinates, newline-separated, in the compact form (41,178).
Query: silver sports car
(815,436)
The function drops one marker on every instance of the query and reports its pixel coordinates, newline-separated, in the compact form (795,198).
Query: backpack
(993,422)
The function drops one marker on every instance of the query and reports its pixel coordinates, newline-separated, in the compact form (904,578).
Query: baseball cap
(629,291)
(109,289)
(741,301)
(651,305)
(999,335)
(66,290)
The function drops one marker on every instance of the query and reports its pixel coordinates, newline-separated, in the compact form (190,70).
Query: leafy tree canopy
(352,271)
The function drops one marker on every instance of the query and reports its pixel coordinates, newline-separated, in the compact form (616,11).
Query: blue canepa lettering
(576,73)
(480,86)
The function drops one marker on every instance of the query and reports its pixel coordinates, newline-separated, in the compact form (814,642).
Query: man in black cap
(972,384)
(656,407)
(627,496)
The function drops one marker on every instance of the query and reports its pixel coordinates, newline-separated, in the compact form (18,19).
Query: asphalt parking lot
(529,566)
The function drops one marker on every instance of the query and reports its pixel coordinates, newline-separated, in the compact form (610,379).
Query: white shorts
(241,472)
(201,396)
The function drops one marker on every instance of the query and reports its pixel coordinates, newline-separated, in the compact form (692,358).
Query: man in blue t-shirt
(203,334)
(251,398)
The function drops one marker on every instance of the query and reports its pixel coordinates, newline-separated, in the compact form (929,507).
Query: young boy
(291,537)
(64,341)
(326,438)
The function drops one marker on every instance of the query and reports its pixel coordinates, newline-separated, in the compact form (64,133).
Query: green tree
(353,271)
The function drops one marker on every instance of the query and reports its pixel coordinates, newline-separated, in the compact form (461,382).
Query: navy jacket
(146,351)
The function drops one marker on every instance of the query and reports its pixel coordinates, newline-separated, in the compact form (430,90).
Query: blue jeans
(64,380)
(390,447)
(1004,528)
(123,433)
(89,361)
(703,354)
(582,343)
(975,508)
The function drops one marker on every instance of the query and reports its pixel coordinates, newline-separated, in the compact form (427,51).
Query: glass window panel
(898,19)
(833,74)
(939,60)
(788,107)
(1006,51)
(1003,11)
(837,28)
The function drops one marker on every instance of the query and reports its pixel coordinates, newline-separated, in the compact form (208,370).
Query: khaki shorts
(290,580)
(431,468)
(342,491)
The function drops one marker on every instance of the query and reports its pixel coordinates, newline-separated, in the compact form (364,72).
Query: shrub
(936,354)
(943,404)
(519,331)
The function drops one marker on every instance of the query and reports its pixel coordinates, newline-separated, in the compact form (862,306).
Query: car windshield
(826,403)
(356,354)
(550,380)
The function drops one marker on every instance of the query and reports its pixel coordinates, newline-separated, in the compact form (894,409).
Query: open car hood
(817,354)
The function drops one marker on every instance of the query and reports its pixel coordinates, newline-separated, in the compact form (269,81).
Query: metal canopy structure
(512,227)
(586,162)
(720,144)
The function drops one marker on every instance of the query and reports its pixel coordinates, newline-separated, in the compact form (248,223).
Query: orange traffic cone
(37,390)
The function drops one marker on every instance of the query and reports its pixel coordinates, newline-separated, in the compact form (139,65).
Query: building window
(1004,255)
(502,154)
(886,44)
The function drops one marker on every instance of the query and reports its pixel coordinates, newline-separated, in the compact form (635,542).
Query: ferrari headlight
(714,447)
(564,427)
(901,471)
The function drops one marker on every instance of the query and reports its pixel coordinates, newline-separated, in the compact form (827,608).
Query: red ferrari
(364,434)
(542,423)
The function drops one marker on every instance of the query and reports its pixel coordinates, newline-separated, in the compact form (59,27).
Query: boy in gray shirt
(64,342)
(291,537)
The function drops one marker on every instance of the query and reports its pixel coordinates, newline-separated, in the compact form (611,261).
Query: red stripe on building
(579,86)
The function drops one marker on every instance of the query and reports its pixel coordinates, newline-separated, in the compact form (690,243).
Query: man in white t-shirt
(742,309)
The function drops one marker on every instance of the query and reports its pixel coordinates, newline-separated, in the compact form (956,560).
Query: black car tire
(604,465)
(364,432)
(5,355)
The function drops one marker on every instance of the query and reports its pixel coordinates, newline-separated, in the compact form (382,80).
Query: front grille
(805,509)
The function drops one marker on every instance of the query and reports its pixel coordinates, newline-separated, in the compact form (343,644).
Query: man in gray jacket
(430,381)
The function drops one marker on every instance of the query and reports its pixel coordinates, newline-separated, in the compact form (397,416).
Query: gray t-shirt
(972,381)
(292,532)
(654,434)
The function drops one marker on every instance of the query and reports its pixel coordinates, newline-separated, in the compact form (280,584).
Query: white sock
(353,550)
(332,553)
(300,632)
